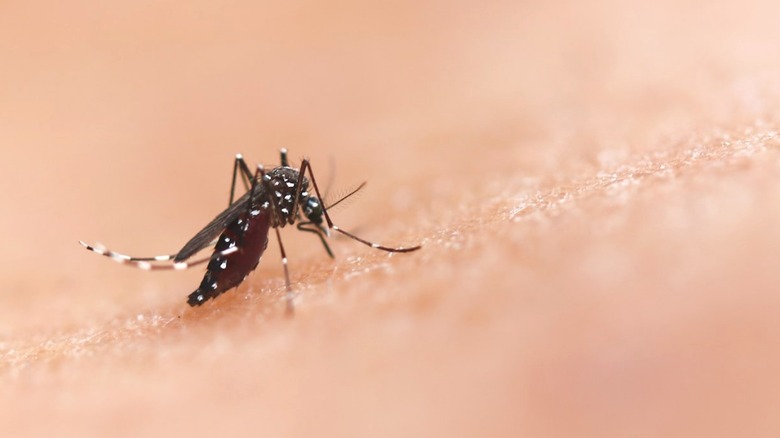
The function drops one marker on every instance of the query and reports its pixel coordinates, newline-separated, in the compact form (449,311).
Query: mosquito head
(312,209)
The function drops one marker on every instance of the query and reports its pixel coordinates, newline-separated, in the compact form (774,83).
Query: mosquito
(274,199)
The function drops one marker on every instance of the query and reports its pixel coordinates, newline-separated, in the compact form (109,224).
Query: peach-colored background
(595,184)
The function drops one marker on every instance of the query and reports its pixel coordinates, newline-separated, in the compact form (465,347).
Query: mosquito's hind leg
(148,263)
(100,249)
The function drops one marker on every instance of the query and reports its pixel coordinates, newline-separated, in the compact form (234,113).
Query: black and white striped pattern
(155,263)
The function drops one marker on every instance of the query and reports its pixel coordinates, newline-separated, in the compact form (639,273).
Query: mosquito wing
(215,227)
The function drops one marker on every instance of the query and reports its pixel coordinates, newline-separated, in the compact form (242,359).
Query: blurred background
(595,183)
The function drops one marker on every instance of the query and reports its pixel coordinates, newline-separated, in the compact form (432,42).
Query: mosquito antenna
(344,198)
(331,176)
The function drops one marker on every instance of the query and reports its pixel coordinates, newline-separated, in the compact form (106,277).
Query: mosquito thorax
(284,187)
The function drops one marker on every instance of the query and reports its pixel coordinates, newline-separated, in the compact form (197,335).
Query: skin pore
(594,185)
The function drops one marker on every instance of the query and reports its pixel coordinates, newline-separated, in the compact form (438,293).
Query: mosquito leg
(259,173)
(261,176)
(306,165)
(246,175)
(180,266)
(298,191)
(252,190)
(145,263)
(288,297)
(303,227)
(100,249)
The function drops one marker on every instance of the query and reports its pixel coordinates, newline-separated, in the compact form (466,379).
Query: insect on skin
(273,199)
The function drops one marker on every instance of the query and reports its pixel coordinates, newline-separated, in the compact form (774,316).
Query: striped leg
(305,165)
(261,176)
(153,263)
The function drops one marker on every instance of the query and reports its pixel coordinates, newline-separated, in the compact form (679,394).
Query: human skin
(594,185)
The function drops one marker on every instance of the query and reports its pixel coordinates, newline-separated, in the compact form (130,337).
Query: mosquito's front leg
(304,226)
(305,165)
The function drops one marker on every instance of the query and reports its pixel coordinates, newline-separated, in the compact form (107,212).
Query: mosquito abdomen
(249,234)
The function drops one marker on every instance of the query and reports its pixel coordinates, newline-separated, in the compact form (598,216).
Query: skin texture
(595,185)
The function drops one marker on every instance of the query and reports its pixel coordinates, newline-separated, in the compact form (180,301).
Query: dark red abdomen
(249,233)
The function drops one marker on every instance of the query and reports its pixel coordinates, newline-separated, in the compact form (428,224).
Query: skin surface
(595,184)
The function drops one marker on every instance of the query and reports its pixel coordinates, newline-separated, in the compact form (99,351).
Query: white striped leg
(288,296)
(305,164)
(147,263)
(376,245)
